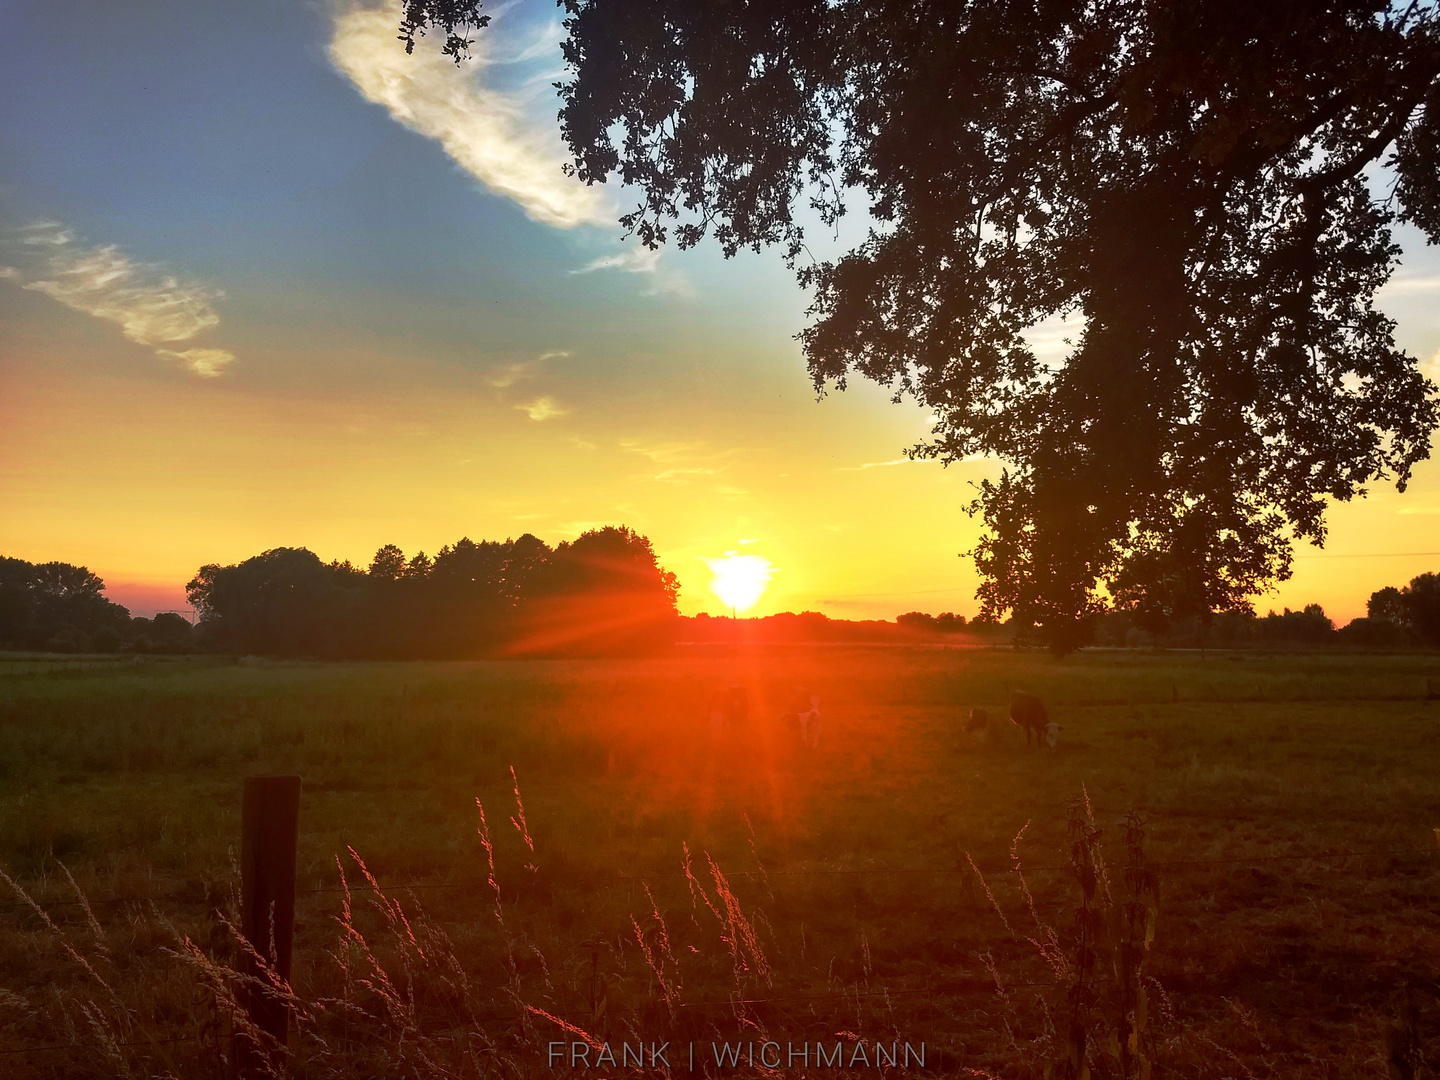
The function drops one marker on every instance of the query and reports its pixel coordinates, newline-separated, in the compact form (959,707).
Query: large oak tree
(1205,188)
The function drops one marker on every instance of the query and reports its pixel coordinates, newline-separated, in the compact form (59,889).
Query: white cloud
(1052,339)
(508,375)
(639,260)
(642,260)
(681,460)
(203,362)
(1407,284)
(490,134)
(542,408)
(664,453)
(150,306)
(1431,368)
(877,464)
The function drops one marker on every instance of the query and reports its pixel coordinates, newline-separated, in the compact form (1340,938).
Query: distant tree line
(815,627)
(602,593)
(57,607)
(1407,617)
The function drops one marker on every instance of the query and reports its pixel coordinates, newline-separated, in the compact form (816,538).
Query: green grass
(129,774)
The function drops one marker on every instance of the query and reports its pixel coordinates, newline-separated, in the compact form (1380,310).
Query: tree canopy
(1204,190)
(601,593)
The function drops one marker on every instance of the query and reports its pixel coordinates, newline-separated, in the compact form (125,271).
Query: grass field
(844,904)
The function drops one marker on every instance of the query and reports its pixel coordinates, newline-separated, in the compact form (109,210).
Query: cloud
(489,133)
(663,453)
(643,260)
(1431,368)
(508,375)
(1408,284)
(542,408)
(640,260)
(150,306)
(682,460)
(878,464)
(1052,339)
(203,362)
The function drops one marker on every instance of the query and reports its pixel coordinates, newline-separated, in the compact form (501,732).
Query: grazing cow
(1052,734)
(979,720)
(729,710)
(1028,712)
(810,724)
(804,710)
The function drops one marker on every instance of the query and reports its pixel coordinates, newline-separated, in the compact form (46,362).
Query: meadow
(636,880)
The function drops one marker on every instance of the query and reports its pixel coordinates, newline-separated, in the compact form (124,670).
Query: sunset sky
(265,280)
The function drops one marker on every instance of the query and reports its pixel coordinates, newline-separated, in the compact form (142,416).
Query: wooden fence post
(269,830)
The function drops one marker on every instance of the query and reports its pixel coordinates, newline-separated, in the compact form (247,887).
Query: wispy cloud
(204,362)
(1409,284)
(150,306)
(681,460)
(490,134)
(508,375)
(639,260)
(642,260)
(1431,368)
(542,408)
(877,464)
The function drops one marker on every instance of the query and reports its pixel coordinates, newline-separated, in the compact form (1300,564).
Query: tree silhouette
(55,605)
(388,563)
(1416,607)
(1185,182)
(602,593)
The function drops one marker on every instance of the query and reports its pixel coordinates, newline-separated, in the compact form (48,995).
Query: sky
(267,281)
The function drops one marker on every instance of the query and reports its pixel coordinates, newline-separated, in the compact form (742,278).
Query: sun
(740,580)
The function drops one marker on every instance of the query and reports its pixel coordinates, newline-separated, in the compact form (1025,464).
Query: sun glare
(739,580)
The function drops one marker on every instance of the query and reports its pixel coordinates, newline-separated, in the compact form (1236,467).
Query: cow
(804,710)
(979,720)
(1028,712)
(729,711)
(810,724)
(1052,734)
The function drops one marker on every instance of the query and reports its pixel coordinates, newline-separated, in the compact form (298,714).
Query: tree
(282,602)
(1416,607)
(55,605)
(388,563)
(602,593)
(1186,181)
